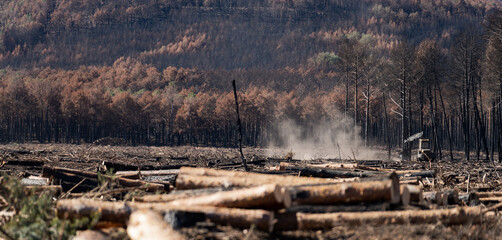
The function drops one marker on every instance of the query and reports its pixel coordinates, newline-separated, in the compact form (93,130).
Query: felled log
(369,162)
(284,165)
(411,194)
(413,181)
(179,194)
(309,171)
(117,166)
(267,196)
(192,178)
(405,195)
(309,221)
(487,200)
(489,194)
(53,190)
(180,219)
(34,180)
(120,211)
(148,224)
(376,169)
(356,192)
(433,197)
(414,173)
(75,176)
(24,162)
(450,197)
(90,235)
(363,207)
(139,174)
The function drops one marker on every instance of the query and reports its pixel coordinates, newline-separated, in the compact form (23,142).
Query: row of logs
(270,203)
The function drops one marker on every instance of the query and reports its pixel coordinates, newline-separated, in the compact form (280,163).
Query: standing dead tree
(239,125)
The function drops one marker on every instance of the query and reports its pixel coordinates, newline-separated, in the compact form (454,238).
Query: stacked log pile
(275,203)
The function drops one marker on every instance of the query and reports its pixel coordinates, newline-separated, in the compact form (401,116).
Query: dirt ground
(460,175)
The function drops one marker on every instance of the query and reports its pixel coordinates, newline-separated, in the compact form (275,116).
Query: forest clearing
(237,119)
(119,192)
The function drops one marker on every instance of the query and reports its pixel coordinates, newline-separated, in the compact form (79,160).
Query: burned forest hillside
(217,34)
(323,73)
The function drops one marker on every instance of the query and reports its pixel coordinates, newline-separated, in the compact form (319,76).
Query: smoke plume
(337,138)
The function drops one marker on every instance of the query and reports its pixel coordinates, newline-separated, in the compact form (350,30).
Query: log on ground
(465,215)
(343,193)
(192,178)
(75,176)
(309,171)
(120,211)
(267,197)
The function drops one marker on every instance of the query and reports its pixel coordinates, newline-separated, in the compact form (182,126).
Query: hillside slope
(216,34)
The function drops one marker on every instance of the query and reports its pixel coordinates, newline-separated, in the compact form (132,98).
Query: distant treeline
(384,79)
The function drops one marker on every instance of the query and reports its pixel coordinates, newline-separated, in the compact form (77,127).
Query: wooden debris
(310,171)
(34,180)
(148,224)
(24,162)
(90,235)
(75,176)
(179,194)
(311,221)
(120,211)
(139,174)
(489,194)
(53,190)
(357,192)
(267,197)
(117,166)
(363,207)
(192,178)
(486,200)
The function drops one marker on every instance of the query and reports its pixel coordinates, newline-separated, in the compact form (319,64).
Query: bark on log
(411,194)
(179,194)
(76,176)
(53,190)
(120,211)
(191,178)
(405,195)
(149,225)
(415,193)
(357,192)
(423,174)
(489,194)
(451,197)
(325,172)
(411,181)
(383,206)
(268,197)
(335,165)
(308,221)
(433,197)
(90,235)
(33,180)
(139,174)
(490,199)
(24,162)
(117,166)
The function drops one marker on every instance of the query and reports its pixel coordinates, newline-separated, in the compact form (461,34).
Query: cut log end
(405,195)
(147,224)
